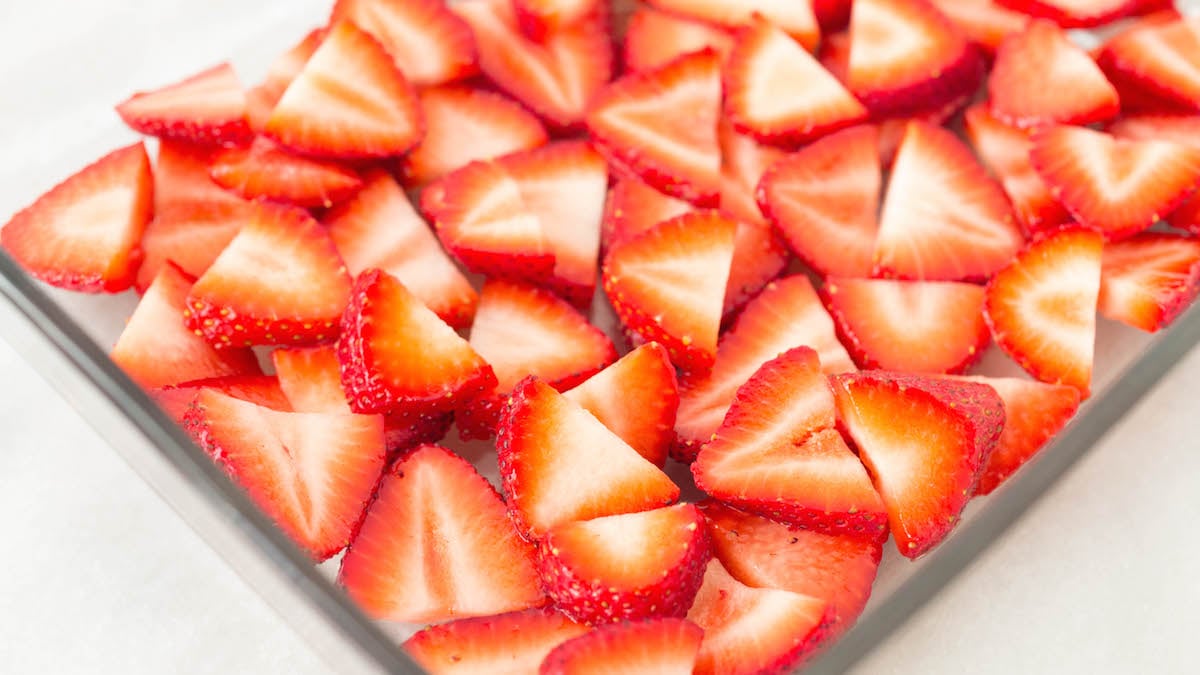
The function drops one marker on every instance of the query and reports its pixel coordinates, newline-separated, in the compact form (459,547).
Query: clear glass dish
(55,126)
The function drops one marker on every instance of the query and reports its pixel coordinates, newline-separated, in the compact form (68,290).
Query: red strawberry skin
(207,108)
(662,646)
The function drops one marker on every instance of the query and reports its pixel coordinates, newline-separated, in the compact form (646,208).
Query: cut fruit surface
(262,98)
(985,22)
(509,644)
(1148,280)
(794,17)
(207,108)
(1163,60)
(181,178)
(263,170)
(190,236)
(654,38)
(427,41)
(659,646)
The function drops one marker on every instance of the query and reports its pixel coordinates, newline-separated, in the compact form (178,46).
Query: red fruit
(181,178)
(1180,129)
(626,567)
(83,234)
(279,281)
(1149,280)
(554,77)
(559,464)
(823,200)
(905,57)
(155,349)
(665,646)
(379,228)
(892,129)
(796,18)
(1033,413)
(786,314)
(261,99)
(1042,307)
(668,284)
(190,236)
(632,208)
(832,14)
(284,460)
(754,630)
(371,112)
(653,38)
(397,356)
(208,107)
(909,326)
(465,125)
(985,22)
(1005,150)
(1076,14)
(427,41)
(778,92)
(1041,77)
(778,454)
(1163,60)
(519,640)
(925,441)
(264,170)
(1187,215)
(636,121)
(436,544)
(262,390)
(1116,186)
(943,218)
(539,18)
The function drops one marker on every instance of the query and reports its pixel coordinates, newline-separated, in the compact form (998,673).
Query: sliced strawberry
(824,198)
(1041,77)
(1163,60)
(181,177)
(554,77)
(1005,150)
(905,57)
(427,41)
(262,98)
(944,218)
(208,107)
(633,208)
(834,54)
(778,92)
(397,356)
(436,544)
(653,38)
(379,228)
(636,121)
(1149,280)
(155,348)
(1076,13)
(191,236)
(1116,186)
(606,570)
(1181,129)
(261,390)
(786,314)
(1187,216)
(279,281)
(284,460)
(754,630)
(83,234)
(264,170)
(796,18)
(349,101)
(464,125)
(661,646)
(539,18)
(909,326)
(985,22)
(832,15)
(668,284)
(559,464)
(1042,307)
(925,441)
(1033,413)
(892,129)
(519,640)
(778,454)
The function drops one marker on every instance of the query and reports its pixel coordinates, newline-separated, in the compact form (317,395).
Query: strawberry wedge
(661,646)
(425,39)
(208,108)
(519,640)
(1148,280)
(654,38)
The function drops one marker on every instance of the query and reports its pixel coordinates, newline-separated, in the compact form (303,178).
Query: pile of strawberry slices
(703,280)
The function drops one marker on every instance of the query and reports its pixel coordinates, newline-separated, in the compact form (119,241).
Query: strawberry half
(285,461)
(559,464)
(261,390)
(519,640)
(778,454)
(190,236)
(436,544)
(754,630)
(263,170)
(633,207)
(262,98)
(1163,60)
(1034,412)
(348,101)
(762,553)
(1041,77)
(661,646)
(1076,14)
(181,177)
(778,92)
(1176,128)
(207,108)
(1042,307)
(635,121)
(605,570)
(379,228)
(83,234)
(1149,280)
(653,38)
(786,314)
(668,284)
(985,22)
(1116,186)
(539,18)
(944,218)
(796,18)
(824,198)
(909,326)
(925,441)
(427,41)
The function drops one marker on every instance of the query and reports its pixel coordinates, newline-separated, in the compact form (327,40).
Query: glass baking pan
(58,117)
